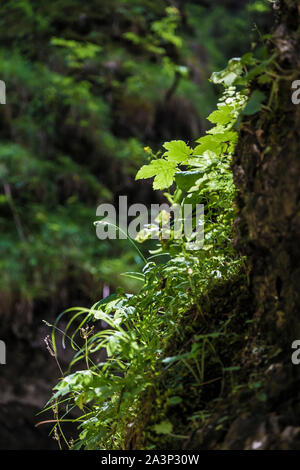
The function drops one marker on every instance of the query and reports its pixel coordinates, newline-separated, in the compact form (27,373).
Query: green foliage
(163,30)
(111,393)
(254,103)
(77,53)
(60,129)
(82,99)
(89,84)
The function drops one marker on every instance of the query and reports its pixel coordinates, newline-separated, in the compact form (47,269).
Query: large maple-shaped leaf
(177,151)
(162,170)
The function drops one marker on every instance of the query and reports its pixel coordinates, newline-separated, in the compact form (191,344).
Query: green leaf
(165,427)
(172,401)
(229,75)
(105,301)
(222,116)
(177,151)
(262,397)
(249,59)
(186,179)
(254,103)
(209,142)
(162,170)
(231,369)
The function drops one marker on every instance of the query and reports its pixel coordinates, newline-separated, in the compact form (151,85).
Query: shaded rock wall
(266,171)
(267,174)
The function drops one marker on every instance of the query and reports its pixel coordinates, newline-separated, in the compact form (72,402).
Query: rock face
(266,171)
(267,174)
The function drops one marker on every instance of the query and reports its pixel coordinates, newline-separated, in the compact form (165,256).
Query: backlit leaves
(177,151)
(162,170)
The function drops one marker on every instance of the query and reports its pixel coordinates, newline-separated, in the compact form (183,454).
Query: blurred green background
(89,85)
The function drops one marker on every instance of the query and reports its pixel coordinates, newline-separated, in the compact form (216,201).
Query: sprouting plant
(126,361)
